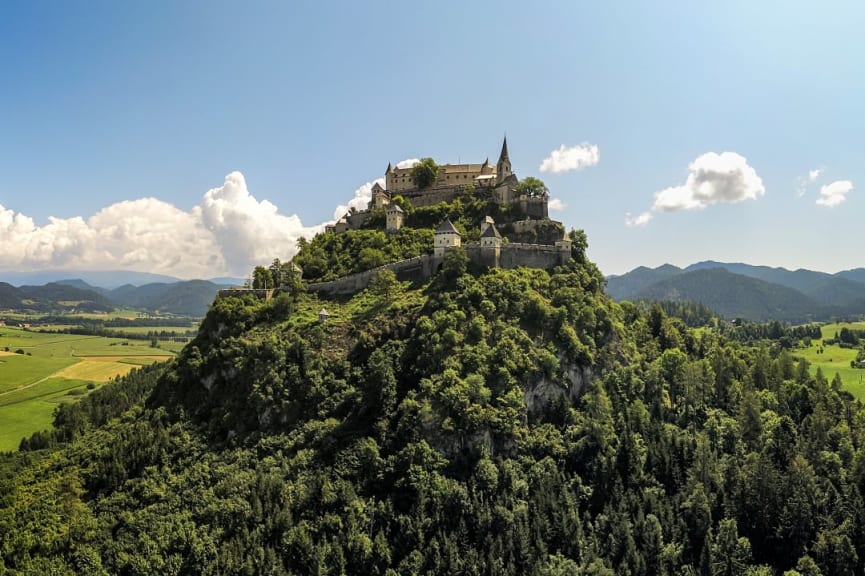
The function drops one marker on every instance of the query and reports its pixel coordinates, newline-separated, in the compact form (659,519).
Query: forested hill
(488,422)
(757,293)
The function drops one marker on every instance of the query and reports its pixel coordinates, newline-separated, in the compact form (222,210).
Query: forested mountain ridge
(487,422)
(778,294)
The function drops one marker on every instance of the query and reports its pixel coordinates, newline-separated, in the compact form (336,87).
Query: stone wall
(417,268)
(424,267)
(259,293)
(532,256)
(432,196)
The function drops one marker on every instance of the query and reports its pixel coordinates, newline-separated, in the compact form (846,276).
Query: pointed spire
(389,169)
(504,155)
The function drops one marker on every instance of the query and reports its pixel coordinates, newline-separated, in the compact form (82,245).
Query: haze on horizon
(198,140)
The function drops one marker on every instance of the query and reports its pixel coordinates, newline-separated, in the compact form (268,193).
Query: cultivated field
(54,368)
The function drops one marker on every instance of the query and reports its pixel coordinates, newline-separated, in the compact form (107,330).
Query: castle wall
(534,207)
(424,267)
(532,256)
(259,293)
(432,196)
(417,268)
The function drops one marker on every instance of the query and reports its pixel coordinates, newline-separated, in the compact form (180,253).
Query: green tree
(533,187)
(261,278)
(425,173)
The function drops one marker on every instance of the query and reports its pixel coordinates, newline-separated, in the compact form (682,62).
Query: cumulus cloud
(408,163)
(247,231)
(359,201)
(228,233)
(713,178)
(834,193)
(556,204)
(567,159)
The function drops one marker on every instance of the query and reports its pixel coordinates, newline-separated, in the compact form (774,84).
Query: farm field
(56,368)
(835,359)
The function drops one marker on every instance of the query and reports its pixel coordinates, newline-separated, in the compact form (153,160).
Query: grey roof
(447,227)
(394,208)
(504,154)
(491,232)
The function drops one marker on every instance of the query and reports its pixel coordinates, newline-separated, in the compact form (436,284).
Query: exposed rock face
(544,390)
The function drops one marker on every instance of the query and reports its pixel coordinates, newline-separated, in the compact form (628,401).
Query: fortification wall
(417,268)
(259,293)
(432,196)
(532,256)
(424,267)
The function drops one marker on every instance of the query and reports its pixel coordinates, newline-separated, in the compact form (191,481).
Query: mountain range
(738,290)
(108,279)
(186,298)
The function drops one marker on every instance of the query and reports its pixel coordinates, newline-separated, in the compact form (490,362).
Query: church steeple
(504,155)
(503,166)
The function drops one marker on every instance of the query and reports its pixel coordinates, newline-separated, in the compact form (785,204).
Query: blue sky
(201,138)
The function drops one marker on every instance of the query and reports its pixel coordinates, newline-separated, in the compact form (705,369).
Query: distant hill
(190,298)
(624,287)
(185,298)
(856,274)
(102,278)
(52,297)
(816,295)
(735,296)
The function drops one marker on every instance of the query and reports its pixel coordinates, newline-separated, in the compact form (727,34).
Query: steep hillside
(488,421)
(735,296)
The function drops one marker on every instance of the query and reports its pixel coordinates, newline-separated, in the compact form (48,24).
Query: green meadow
(55,368)
(836,360)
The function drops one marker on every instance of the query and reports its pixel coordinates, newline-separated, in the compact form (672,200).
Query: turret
(446,236)
(395,216)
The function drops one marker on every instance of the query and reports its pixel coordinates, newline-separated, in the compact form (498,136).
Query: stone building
(398,180)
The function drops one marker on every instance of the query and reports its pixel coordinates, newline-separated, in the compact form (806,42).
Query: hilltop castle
(452,180)
(525,237)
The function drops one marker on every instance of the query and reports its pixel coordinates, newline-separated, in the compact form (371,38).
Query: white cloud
(713,178)
(556,204)
(567,159)
(804,181)
(639,220)
(249,232)
(408,163)
(834,193)
(228,233)
(359,201)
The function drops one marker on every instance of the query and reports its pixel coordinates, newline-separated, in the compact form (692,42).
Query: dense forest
(487,422)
